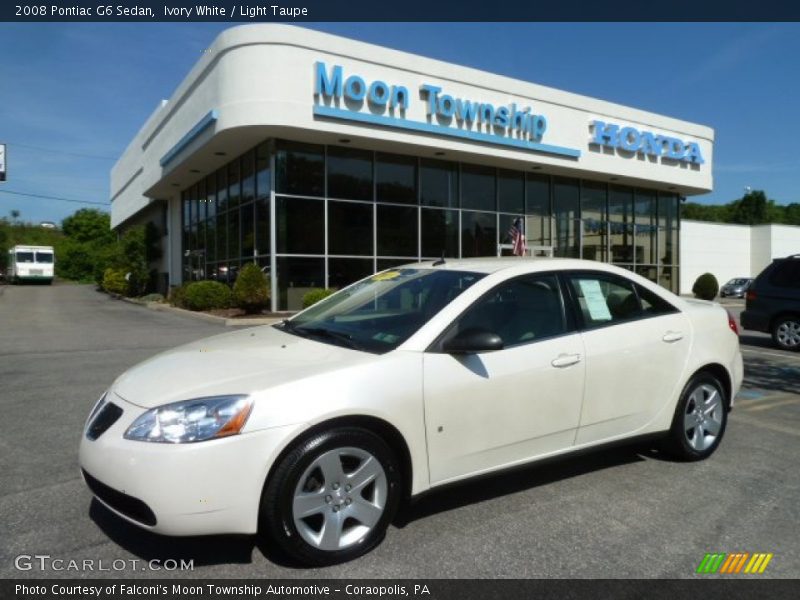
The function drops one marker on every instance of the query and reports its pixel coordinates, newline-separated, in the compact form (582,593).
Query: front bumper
(200,488)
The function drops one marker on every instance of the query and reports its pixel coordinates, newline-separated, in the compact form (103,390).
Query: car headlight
(192,420)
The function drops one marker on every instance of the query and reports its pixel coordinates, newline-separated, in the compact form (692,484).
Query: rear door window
(786,274)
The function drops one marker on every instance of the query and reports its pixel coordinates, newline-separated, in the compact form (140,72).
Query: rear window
(24,257)
(786,274)
(44,257)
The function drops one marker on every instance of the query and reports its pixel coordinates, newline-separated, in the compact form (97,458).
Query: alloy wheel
(788,333)
(340,498)
(702,419)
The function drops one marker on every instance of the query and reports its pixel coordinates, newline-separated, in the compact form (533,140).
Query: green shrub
(207,295)
(177,295)
(251,291)
(114,281)
(706,287)
(313,296)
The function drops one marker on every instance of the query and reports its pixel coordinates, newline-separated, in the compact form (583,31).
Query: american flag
(517,236)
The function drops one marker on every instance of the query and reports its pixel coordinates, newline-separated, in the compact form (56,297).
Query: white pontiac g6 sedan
(311,432)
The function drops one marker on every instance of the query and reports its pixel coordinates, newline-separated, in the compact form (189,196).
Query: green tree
(751,209)
(791,214)
(89,225)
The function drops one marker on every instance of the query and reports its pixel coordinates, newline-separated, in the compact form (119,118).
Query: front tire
(786,333)
(700,419)
(332,496)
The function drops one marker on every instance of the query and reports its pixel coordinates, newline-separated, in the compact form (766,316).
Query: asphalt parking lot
(619,513)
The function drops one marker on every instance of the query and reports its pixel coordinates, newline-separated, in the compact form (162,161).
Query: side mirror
(473,341)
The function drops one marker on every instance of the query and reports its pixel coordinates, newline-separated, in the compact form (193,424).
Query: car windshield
(381,312)
(737,281)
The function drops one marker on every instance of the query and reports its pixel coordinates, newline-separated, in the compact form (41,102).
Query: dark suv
(773,302)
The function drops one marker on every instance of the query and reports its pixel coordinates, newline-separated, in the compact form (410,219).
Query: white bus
(30,263)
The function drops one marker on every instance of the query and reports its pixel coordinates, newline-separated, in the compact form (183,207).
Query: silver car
(735,288)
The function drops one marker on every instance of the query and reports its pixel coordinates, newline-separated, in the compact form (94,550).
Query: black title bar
(249,11)
(706,587)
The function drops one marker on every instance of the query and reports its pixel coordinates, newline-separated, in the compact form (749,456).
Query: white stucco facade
(729,251)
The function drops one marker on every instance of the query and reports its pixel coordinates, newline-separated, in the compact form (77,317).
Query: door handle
(565,360)
(672,336)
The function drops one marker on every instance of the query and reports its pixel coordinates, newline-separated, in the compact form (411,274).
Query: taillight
(732,323)
(750,295)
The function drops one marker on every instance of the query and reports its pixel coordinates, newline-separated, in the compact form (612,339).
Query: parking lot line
(768,405)
(779,355)
(751,420)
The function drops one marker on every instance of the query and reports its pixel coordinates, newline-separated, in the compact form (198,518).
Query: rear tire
(332,497)
(786,333)
(700,419)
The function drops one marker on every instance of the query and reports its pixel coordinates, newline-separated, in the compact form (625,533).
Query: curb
(224,321)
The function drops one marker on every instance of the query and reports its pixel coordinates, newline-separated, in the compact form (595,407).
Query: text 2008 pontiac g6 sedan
(312,431)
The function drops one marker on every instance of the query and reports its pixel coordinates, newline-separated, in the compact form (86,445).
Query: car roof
(495,264)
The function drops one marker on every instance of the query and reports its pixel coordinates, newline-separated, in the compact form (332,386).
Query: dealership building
(325,159)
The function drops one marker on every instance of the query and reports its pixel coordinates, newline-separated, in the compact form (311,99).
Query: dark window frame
(568,275)
(570,325)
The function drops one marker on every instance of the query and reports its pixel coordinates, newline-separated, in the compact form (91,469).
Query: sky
(72,96)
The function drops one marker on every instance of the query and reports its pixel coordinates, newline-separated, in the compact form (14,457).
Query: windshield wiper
(343,338)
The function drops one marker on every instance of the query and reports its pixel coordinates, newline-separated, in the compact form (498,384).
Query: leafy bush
(250,291)
(207,295)
(706,287)
(114,281)
(313,296)
(177,295)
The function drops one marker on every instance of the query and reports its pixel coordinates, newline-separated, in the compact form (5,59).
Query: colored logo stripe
(758,563)
(721,562)
(711,562)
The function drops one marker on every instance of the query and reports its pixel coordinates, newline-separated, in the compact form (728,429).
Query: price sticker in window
(595,300)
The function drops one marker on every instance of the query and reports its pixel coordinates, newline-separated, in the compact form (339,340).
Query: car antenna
(441,261)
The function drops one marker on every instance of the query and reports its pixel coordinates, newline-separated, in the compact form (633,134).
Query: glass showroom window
(644,215)
(299,226)
(349,173)
(234,183)
(263,189)
(350,228)
(344,271)
(478,188)
(510,191)
(478,234)
(668,223)
(593,220)
(396,178)
(566,210)
(439,233)
(300,169)
(438,183)
(620,216)
(298,275)
(211,220)
(537,208)
(397,231)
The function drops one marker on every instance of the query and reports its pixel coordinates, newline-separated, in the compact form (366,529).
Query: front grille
(127,505)
(107,416)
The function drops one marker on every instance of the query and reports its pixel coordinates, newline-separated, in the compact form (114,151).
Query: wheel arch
(780,315)
(724,377)
(380,427)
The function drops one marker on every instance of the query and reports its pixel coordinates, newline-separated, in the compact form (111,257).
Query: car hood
(241,362)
